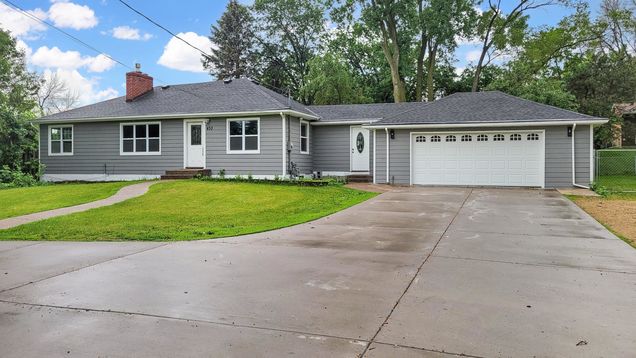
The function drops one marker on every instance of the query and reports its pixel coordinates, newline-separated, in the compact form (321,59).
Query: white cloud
(70,15)
(473,55)
(19,24)
(22,46)
(69,60)
(63,14)
(179,56)
(129,33)
(86,88)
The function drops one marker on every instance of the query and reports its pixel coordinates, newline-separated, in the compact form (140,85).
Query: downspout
(573,163)
(282,116)
(387,155)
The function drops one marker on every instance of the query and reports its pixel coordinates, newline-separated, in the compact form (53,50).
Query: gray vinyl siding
(96,151)
(303,161)
(268,162)
(558,155)
(331,148)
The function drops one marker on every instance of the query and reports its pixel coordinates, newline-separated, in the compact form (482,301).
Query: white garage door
(478,158)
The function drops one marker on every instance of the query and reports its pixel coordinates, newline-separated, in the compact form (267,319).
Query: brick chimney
(137,83)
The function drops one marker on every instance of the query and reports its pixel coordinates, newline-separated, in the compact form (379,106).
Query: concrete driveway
(416,272)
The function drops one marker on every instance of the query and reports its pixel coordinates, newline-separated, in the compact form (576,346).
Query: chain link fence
(615,170)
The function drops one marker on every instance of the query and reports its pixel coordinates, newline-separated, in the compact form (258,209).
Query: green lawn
(619,185)
(184,210)
(20,201)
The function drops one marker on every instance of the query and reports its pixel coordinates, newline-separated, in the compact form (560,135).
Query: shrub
(15,178)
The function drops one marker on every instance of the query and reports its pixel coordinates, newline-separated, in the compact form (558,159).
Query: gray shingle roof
(240,95)
(371,111)
(482,107)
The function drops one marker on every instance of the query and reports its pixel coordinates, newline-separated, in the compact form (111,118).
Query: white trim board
(97,177)
(178,116)
(555,122)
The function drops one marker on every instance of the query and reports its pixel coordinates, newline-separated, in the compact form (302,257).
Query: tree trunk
(419,76)
(430,85)
(479,68)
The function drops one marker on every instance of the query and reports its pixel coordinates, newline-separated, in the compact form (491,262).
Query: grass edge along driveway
(192,209)
(22,201)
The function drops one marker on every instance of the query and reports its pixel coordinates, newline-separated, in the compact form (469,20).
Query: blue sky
(116,30)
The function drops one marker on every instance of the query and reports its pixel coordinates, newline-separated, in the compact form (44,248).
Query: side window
(61,140)
(304,137)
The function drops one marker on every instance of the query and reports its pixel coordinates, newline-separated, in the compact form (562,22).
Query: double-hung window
(140,139)
(61,140)
(304,137)
(243,135)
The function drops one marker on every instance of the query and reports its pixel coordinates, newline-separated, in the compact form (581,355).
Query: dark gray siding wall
(332,147)
(96,151)
(268,162)
(303,161)
(558,155)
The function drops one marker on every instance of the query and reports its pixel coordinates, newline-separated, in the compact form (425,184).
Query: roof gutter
(343,122)
(179,116)
(553,122)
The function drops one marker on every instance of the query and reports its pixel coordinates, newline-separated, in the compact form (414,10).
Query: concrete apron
(330,287)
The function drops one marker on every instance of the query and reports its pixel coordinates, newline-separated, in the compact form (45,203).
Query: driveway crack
(82,267)
(386,320)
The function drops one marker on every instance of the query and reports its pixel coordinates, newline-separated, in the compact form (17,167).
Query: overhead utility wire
(26,13)
(164,28)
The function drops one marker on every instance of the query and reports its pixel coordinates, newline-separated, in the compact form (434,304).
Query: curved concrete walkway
(125,193)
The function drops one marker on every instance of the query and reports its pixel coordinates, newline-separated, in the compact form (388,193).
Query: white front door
(359,149)
(505,158)
(195,145)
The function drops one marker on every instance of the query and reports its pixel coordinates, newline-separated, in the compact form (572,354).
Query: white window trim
(61,153)
(227,136)
(300,134)
(121,138)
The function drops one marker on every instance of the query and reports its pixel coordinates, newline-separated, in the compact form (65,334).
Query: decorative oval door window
(360,142)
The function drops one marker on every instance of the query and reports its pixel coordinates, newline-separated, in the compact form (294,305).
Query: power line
(17,8)
(20,10)
(164,29)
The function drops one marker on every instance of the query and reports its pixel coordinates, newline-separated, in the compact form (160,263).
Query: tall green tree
(395,23)
(18,93)
(443,21)
(498,30)
(232,43)
(330,82)
(290,34)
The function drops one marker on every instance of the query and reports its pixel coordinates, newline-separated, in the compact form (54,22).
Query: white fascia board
(343,122)
(179,116)
(487,125)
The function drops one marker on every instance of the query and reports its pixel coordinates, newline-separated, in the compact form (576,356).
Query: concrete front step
(359,178)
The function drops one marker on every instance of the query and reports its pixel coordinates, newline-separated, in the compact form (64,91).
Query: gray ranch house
(241,128)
